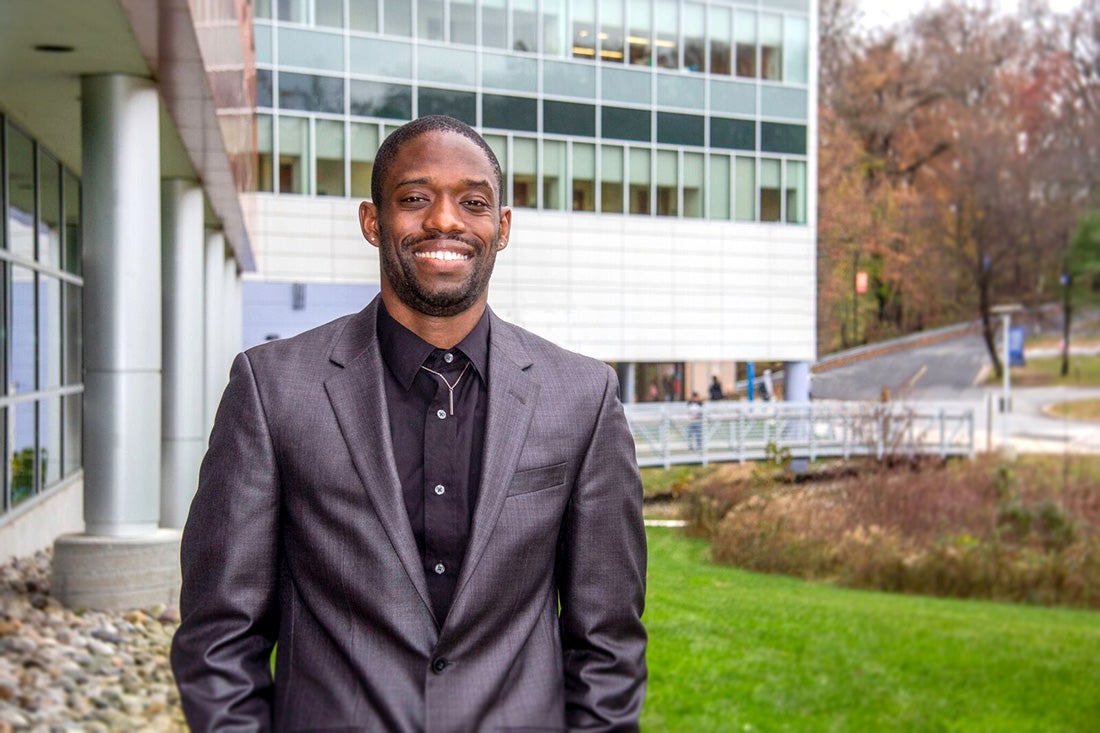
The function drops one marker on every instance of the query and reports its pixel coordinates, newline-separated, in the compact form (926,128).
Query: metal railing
(665,433)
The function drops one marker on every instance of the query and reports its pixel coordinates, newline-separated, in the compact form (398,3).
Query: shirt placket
(441,484)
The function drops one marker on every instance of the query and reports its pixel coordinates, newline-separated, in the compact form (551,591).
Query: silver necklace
(450,387)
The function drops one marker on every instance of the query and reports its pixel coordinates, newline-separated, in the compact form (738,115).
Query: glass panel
(566,118)
(611,179)
(463,22)
(49,331)
(769,190)
(264,148)
(509,113)
(795,194)
(733,97)
(695,42)
(264,90)
(734,134)
(397,18)
(328,13)
(447,65)
(553,27)
(622,85)
(693,185)
(429,19)
(363,15)
(626,124)
(330,157)
(261,8)
(72,449)
(23,348)
(771,46)
(719,188)
(745,190)
(23,479)
(779,138)
(744,34)
(262,39)
(514,73)
(49,210)
(524,172)
(640,177)
(666,183)
(49,440)
(364,145)
(796,37)
(20,193)
(72,343)
(677,129)
(553,174)
(640,38)
(293,154)
(311,93)
(72,224)
(292,11)
(311,49)
(494,24)
(720,33)
(525,25)
(668,34)
(381,58)
(461,105)
(375,99)
(571,79)
(584,29)
(680,90)
(790,102)
(611,30)
(584,177)
(499,144)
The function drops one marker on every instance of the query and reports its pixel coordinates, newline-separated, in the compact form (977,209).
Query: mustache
(413,240)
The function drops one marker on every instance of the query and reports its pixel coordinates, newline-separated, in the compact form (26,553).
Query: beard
(441,300)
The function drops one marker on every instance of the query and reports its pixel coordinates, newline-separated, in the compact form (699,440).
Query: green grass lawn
(1084,371)
(737,651)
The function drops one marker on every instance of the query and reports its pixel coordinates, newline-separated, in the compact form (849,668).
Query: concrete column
(231,309)
(123,559)
(183,440)
(627,380)
(797,388)
(215,373)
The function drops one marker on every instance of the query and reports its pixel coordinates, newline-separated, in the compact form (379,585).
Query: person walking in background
(715,389)
(695,422)
(768,386)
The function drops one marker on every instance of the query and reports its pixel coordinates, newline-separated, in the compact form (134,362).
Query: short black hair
(383,160)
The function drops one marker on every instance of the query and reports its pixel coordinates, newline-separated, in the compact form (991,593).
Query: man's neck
(442,332)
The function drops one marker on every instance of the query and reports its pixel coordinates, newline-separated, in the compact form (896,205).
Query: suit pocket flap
(537,479)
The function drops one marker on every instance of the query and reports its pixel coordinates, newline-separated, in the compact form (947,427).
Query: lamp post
(1005,312)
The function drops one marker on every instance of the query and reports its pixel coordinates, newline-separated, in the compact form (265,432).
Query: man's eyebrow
(413,182)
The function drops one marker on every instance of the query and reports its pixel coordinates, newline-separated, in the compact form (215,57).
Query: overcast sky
(884,12)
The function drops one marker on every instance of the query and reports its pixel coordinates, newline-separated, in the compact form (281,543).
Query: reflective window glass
(20,187)
(265,179)
(494,24)
(693,185)
(49,209)
(795,193)
(733,97)
(525,25)
(784,101)
(397,18)
(261,8)
(771,46)
(511,72)
(446,65)
(733,134)
(611,31)
(677,129)
(49,440)
(779,138)
(311,93)
(262,35)
(329,165)
(375,99)
(499,144)
(73,419)
(509,113)
(72,344)
(328,13)
(611,179)
(463,22)
(263,88)
(460,105)
(293,155)
(311,49)
(525,172)
(429,20)
(668,35)
(584,29)
(49,332)
(584,177)
(363,15)
(640,177)
(720,34)
(626,124)
(382,58)
(796,42)
(24,472)
(553,174)
(567,118)
(745,190)
(569,78)
(364,146)
(667,176)
(292,11)
(744,35)
(625,85)
(695,41)
(24,351)
(639,40)
(73,252)
(770,202)
(553,27)
(681,90)
(718,188)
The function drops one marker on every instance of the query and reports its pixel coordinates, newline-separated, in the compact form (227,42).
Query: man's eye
(477,204)
(412,199)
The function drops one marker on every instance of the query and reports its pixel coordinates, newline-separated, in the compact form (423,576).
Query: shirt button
(441,414)
(439,489)
(439,665)
(448,357)
(439,569)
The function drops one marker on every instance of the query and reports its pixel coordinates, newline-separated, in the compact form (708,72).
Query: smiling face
(438,226)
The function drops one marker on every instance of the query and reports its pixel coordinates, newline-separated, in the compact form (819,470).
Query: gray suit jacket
(299,535)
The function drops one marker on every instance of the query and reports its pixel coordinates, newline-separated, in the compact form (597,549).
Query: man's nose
(444,215)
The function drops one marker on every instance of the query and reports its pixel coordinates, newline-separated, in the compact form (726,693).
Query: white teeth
(441,255)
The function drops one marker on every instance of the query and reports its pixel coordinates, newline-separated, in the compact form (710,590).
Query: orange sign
(861,282)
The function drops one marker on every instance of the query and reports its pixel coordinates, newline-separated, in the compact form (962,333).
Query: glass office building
(659,155)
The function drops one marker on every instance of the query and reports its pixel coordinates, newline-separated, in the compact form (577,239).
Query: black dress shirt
(437,450)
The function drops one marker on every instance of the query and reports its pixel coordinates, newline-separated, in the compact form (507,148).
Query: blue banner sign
(1016,346)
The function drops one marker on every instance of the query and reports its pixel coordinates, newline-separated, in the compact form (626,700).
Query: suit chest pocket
(542,478)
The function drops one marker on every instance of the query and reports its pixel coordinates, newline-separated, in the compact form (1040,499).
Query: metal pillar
(796,389)
(184,436)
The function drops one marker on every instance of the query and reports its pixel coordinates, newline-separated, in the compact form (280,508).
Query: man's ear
(505,226)
(368,222)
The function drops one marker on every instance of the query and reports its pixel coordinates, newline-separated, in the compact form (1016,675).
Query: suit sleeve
(601,580)
(229,558)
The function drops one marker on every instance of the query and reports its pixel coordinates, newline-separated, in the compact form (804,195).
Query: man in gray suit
(434,513)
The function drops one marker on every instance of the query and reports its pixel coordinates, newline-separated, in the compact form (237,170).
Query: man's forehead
(420,159)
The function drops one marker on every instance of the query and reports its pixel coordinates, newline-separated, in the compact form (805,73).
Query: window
(460,105)
(429,19)
(667,178)
(733,134)
(263,88)
(49,210)
(553,27)
(463,22)
(611,31)
(584,29)
(695,42)
(553,174)
(567,118)
(611,179)
(795,192)
(494,24)
(293,155)
(745,190)
(397,18)
(20,186)
(311,93)
(641,24)
(771,47)
(584,177)
(720,32)
(364,146)
(677,129)
(640,177)
(330,158)
(72,262)
(363,15)
(509,113)
(769,190)
(499,145)
(264,148)
(719,188)
(375,99)
(292,11)
(329,13)
(626,124)
(780,138)
(525,26)
(796,41)
(693,185)
(744,35)
(668,34)
(524,173)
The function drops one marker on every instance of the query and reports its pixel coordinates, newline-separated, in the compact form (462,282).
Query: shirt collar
(404,352)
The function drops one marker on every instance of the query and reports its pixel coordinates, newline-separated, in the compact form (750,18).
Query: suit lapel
(512,397)
(358,398)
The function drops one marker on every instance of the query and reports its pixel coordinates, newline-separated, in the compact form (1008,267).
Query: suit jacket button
(439,665)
